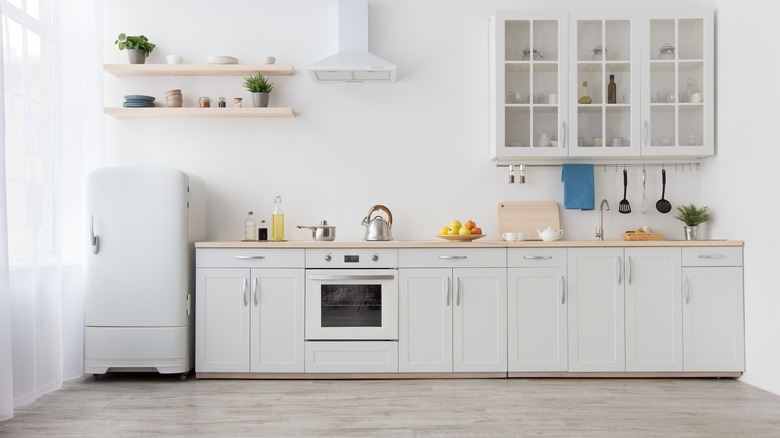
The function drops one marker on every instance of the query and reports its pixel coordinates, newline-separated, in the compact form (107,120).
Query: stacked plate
(173,98)
(138,101)
(222,60)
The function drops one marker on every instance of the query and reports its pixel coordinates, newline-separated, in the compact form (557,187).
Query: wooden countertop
(297,244)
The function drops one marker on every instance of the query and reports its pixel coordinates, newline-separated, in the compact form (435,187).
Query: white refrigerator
(140,271)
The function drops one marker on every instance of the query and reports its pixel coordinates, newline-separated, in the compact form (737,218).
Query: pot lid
(324,224)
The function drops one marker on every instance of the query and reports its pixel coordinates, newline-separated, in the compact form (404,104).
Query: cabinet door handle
(565,138)
(563,290)
(256,290)
(243,288)
(630,270)
(451,257)
(536,257)
(645,133)
(712,256)
(249,257)
(457,291)
(687,290)
(619,262)
(447,284)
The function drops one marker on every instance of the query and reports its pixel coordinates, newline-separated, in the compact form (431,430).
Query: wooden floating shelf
(163,112)
(198,69)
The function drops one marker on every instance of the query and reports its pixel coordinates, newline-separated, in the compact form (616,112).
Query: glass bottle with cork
(249,228)
(277,220)
(262,231)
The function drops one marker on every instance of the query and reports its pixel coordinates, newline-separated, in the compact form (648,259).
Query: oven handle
(351,277)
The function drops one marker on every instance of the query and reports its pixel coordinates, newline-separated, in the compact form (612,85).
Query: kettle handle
(379,207)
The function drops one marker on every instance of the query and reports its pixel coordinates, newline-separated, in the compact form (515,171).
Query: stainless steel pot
(378,228)
(321,232)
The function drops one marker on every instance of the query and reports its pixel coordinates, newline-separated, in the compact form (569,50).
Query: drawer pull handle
(250,257)
(357,277)
(712,256)
(448,257)
(535,257)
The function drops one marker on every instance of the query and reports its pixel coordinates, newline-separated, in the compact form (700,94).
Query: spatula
(624,207)
(645,205)
(663,205)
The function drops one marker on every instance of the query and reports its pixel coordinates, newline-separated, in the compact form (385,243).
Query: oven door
(351,304)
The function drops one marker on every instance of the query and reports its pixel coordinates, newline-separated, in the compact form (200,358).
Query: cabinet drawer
(536,257)
(248,258)
(712,256)
(452,258)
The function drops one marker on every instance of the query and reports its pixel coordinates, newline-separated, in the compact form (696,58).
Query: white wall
(740,183)
(418,146)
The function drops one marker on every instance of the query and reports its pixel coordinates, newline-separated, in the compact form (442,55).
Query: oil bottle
(249,228)
(277,221)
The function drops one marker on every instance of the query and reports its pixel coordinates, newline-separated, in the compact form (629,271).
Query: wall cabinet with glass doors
(603,84)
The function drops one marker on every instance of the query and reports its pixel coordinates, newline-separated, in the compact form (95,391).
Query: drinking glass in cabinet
(599,53)
(527,54)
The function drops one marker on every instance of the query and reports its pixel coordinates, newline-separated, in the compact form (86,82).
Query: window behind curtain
(29,137)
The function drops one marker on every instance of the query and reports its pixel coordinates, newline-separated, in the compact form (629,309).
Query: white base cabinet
(596,315)
(654,335)
(537,310)
(713,297)
(249,319)
(452,319)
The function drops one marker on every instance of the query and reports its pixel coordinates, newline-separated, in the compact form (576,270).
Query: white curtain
(62,131)
(6,375)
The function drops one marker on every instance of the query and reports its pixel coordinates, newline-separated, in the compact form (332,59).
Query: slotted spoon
(624,207)
(645,205)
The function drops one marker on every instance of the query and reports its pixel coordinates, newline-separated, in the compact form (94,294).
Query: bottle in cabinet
(612,90)
(277,220)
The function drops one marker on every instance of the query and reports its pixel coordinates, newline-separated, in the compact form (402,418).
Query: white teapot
(550,235)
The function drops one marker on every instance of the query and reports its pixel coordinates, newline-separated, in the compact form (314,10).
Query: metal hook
(605,168)
(616,169)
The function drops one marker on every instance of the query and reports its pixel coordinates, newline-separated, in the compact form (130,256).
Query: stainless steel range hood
(353,62)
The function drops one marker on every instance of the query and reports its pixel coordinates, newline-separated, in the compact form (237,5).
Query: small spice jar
(221,102)
(237,103)
(205,102)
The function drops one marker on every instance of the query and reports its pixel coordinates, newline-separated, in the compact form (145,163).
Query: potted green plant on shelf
(138,47)
(692,216)
(260,88)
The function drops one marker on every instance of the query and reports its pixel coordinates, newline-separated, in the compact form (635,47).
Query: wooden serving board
(528,217)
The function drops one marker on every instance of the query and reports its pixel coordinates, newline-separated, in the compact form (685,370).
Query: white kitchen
(497,115)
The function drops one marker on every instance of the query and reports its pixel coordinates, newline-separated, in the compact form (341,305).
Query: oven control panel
(357,258)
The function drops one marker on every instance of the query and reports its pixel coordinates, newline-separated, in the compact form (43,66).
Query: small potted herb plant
(260,88)
(692,216)
(138,47)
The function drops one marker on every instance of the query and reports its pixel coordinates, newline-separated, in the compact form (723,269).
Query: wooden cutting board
(527,216)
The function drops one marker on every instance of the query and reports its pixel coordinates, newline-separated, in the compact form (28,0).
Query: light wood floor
(153,405)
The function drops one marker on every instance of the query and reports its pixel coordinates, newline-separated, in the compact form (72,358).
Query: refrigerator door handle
(94,240)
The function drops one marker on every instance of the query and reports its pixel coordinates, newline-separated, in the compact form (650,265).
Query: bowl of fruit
(461,232)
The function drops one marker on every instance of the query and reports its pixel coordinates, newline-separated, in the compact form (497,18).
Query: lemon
(444,230)
(455,225)
(464,230)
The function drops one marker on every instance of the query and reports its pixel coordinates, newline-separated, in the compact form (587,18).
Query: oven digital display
(351,259)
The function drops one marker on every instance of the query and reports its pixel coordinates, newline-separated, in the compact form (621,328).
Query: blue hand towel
(578,192)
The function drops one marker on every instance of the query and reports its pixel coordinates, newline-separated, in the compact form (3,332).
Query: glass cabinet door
(678,110)
(529,85)
(604,71)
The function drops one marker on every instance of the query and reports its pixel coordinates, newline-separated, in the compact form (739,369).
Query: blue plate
(139,97)
(138,104)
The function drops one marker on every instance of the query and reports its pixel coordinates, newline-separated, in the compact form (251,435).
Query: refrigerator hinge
(188,196)
(189,304)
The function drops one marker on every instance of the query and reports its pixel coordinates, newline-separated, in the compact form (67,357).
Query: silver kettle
(378,228)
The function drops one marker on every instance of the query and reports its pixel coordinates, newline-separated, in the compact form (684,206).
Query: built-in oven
(351,295)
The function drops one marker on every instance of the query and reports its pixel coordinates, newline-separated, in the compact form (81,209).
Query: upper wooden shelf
(163,112)
(198,69)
